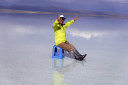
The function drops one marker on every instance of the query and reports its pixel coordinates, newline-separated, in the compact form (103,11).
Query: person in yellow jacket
(60,37)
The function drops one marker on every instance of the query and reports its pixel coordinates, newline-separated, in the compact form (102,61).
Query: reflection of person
(58,78)
(60,37)
(58,75)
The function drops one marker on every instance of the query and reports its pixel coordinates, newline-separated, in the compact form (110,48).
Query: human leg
(66,46)
(72,50)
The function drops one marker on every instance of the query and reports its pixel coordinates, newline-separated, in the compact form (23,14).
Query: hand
(75,18)
(58,18)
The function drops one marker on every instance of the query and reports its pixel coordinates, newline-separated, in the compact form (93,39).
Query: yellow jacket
(60,31)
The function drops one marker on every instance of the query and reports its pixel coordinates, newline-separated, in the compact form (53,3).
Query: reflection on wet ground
(58,74)
(26,50)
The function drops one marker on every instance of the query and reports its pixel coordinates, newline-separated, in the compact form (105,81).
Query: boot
(77,55)
(80,54)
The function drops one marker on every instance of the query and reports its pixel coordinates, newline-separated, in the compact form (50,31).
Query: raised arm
(70,22)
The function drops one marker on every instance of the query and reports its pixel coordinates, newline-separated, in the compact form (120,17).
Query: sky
(117,6)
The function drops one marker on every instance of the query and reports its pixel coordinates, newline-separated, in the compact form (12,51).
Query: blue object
(57,55)
(57,52)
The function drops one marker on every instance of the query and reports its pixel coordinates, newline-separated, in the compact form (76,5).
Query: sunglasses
(62,18)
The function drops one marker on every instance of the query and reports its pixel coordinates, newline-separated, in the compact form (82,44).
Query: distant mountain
(47,9)
(38,9)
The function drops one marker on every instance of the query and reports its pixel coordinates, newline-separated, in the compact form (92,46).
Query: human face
(61,20)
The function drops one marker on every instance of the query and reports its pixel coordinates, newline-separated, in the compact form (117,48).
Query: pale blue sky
(86,33)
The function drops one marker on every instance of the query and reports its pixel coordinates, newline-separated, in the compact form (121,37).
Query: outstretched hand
(75,18)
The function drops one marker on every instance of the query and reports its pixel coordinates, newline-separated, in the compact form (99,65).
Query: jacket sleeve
(69,23)
(55,24)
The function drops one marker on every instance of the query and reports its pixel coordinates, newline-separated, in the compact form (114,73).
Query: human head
(62,18)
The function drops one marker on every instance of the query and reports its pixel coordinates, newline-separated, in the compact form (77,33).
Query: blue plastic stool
(57,54)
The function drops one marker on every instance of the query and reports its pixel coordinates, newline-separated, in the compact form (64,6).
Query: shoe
(84,55)
(80,58)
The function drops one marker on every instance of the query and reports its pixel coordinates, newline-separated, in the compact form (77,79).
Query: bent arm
(55,23)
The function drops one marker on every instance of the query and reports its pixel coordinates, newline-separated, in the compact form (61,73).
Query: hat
(62,16)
